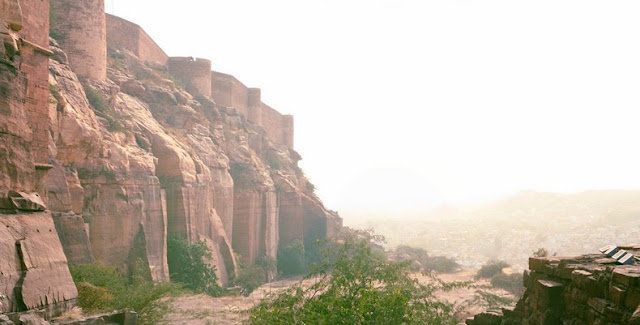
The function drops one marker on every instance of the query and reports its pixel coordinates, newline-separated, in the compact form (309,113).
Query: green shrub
(291,259)
(354,287)
(102,288)
(102,108)
(96,99)
(187,265)
(490,269)
(440,264)
(93,299)
(272,161)
(241,174)
(511,282)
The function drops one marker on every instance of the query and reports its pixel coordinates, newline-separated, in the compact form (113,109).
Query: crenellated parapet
(80,28)
(195,73)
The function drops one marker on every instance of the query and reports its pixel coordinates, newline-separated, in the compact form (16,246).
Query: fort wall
(194,72)
(122,33)
(80,27)
(254,105)
(228,91)
(35,65)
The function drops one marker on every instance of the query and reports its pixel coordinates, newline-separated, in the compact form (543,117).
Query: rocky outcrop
(589,289)
(33,266)
(104,168)
(33,270)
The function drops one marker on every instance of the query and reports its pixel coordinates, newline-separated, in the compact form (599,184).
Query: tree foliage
(353,286)
(427,262)
(188,265)
(291,259)
(102,288)
(490,269)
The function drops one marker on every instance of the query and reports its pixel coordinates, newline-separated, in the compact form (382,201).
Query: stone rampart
(226,90)
(35,65)
(122,33)
(80,28)
(195,73)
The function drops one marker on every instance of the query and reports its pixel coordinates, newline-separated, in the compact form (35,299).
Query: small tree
(291,259)
(187,265)
(354,287)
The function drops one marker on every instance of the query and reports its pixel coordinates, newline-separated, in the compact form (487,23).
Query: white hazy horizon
(403,105)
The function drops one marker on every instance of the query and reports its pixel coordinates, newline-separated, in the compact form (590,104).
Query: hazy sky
(401,105)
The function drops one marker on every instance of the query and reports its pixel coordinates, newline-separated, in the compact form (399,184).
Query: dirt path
(206,310)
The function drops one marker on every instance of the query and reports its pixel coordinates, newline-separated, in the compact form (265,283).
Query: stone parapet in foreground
(589,289)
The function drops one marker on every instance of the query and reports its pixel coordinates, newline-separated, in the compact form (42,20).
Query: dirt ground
(206,310)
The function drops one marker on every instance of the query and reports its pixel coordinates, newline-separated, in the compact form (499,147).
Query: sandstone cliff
(102,167)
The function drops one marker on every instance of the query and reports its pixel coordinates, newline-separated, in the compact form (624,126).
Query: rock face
(101,162)
(33,266)
(589,289)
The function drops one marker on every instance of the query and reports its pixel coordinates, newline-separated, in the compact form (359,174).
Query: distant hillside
(511,229)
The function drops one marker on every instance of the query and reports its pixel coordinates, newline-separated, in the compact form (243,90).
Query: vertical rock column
(80,28)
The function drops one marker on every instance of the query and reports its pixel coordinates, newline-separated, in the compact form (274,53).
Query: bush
(354,287)
(440,264)
(241,174)
(93,299)
(291,259)
(187,265)
(102,108)
(103,289)
(251,277)
(511,282)
(428,263)
(490,269)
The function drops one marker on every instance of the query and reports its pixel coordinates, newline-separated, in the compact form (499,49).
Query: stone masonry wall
(35,64)
(589,289)
(80,28)
(122,33)
(194,72)
(228,91)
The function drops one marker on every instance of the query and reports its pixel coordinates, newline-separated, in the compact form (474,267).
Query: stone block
(626,276)
(579,278)
(617,295)
(30,202)
(599,305)
(549,294)
(632,298)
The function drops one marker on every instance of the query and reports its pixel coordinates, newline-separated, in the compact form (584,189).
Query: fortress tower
(194,72)
(287,130)
(80,27)
(254,105)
